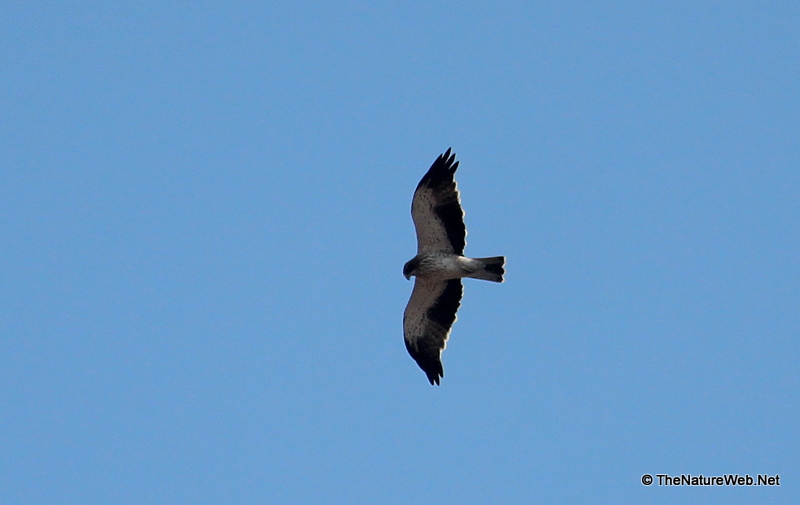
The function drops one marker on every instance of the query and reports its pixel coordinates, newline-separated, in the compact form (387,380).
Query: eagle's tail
(492,269)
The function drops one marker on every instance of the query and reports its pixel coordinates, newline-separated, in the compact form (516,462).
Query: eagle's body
(439,266)
(442,266)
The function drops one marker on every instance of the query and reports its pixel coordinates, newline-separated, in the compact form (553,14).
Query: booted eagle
(439,266)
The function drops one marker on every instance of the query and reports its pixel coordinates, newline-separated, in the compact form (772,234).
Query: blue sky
(205,213)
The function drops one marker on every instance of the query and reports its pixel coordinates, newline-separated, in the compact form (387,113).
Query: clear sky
(204,215)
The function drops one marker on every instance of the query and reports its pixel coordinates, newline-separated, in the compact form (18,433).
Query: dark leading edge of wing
(440,179)
(427,348)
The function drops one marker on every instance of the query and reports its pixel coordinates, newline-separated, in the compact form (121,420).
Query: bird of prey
(439,266)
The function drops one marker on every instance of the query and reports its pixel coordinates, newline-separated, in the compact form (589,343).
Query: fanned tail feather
(493,269)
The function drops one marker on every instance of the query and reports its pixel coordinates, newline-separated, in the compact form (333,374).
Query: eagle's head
(410,266)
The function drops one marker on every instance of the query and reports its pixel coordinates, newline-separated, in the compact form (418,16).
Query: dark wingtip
(449,160)
(441,171)
(433,369)
(430,363)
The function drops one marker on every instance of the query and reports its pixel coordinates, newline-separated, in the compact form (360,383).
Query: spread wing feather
(436,209)
(427,321)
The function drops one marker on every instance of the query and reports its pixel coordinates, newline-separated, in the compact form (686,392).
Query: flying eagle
(439,266)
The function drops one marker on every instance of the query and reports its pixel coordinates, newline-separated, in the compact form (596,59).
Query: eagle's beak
(408,277)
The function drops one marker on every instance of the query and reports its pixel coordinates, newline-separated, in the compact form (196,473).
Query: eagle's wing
(436,209)
(430,314)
